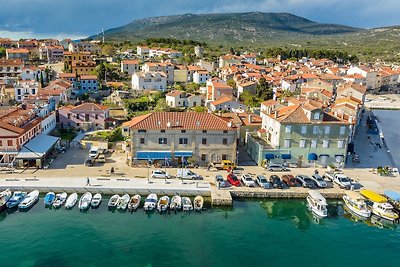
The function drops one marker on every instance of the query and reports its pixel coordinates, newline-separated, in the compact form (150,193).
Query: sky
(82,18)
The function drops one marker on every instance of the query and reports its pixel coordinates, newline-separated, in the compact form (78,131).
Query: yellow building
(69,57)
(83,67)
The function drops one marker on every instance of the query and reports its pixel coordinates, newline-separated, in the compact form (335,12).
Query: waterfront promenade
(387,101)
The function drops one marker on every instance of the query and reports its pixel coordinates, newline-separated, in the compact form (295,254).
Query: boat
(113,201)
(317,204)
(380,205)
(4,197)
(71,200)
(356,204)
(163,204)
(176,203)
(84,201)
(29,200)
(150,202)
(96,200)
(16,198)
(394,199)
(123,202)
(49,199)
(198,203)
(60,200)
(187,204)
(134,202)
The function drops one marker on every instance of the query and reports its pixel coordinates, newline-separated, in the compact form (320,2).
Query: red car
(233,180)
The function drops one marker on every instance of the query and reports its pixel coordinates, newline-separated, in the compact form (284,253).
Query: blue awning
(312,156)
(392,195)
(183,153)
(152,155)
(286,156)
(269,156)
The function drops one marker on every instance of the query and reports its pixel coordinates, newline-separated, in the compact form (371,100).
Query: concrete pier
(221,197)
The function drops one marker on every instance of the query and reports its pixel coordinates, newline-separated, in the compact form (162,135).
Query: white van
(187,174)
(94,152)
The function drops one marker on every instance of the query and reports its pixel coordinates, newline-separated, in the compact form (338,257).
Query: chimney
(276,114)
(250,118)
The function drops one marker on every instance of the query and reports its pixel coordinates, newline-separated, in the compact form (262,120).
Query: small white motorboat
(29,200)
(150,202)
(187,204)
(71,200)
(123,202)
(176,203)
(96,200)
(317,204)
(4,197)
(112,203)
(60,200)
(198,203)
(385,210)
(134,202)
(356,204)
(163,204)
(84,201)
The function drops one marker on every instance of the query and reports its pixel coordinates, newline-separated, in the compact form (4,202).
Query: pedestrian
(208,167)
(316,171)
(88,182)
(112,170)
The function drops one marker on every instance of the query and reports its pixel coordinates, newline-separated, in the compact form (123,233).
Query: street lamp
(148,174)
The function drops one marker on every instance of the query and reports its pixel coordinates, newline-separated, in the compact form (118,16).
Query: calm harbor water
(253,233)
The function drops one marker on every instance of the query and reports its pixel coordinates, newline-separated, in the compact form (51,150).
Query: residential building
(83,47)
(51,53)
(246,86)
(83,67)
(69,57)
(245,123)
(10,67)
(217,89)
(6,42)
(88,83)
(201,76)
(369,74)
(167,68)
(48,123)
(227,104)
(23,89)
(28,44)
(178,99)
(59,89)
(33,73)
(17,53)
(130,66)
(142,50)
(149,81)
(87,116)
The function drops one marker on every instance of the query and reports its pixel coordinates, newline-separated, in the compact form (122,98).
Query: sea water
(252,233)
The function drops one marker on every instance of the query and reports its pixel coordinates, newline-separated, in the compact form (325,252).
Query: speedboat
(134,202)
(71,200)
(85,200)
(4,197)
(112,203)
(60,200)
(394,199)
(96,200)
(187,204)
(16,198)
(176,203)
(356,204)
(150,202)
(29,200)
(163,204)
(317,204)
(198,203)
(380,205)
(123,202)
(49,199)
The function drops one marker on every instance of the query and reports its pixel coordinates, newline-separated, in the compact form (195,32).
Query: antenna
(102,30)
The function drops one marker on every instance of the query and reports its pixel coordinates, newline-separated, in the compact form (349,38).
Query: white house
(227,104)
(142,50)
(48,123)
(201,77)
(32,73)
(130,66)
(149,81)
(178,98)
(25,88)
(369,74)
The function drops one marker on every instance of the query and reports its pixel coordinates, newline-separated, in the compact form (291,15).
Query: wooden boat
(176,203)
(134,202)
(60,200)
(123,202)
(150,202)
(84,201)
(187,204)
(4,197)
(380,205)
(198,203)
(29,200)
(356,204)
(317,204)
(16,198)
(96,200)
(49,199)
(71,200)
(163,204)
(112,203)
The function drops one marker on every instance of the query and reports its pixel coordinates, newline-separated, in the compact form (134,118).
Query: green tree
(2,52)
(161,105)
(108,50)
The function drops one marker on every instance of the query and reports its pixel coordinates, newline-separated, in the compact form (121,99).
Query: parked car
(319,181)
(160,174)
(263,182)
(275,181)
(290,180)
(233,180)
(89,161)
(247,180)
(342,181)
(187,174)
(275,167)
(101,158)
(305,181)
(219,181)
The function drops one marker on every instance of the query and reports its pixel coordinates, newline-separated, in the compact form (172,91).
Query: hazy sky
(81,18)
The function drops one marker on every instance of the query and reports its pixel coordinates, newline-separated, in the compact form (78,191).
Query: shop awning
(183,154)
(312,156)
(269,156)
(286,156)
(37,147)
(152,155)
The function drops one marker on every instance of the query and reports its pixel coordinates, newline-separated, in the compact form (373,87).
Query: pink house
(87,116)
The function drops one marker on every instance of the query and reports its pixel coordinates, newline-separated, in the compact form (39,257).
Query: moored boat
(356,204)
(134,202)
(4,197)
(176,203)
(49,199)
(16,198)
(187,204)
(84,201)
(96,200)
(112,203)
(71,200)
(198,203)
(317,204)
(163,203)
(123,202)
(60,200)
(150,202)
(394,199)
(29,200)
(380,205)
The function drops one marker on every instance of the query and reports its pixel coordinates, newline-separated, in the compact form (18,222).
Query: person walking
(88,182)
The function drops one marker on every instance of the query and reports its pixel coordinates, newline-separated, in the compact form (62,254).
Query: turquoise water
(253,233)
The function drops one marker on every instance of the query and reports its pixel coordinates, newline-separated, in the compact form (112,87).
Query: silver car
(160,174)
(263,182)
(318,181)
(276,167)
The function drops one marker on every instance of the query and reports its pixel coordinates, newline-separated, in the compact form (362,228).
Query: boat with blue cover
(16,198)
(49,198)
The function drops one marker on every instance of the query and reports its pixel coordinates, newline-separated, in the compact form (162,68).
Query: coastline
(382,102)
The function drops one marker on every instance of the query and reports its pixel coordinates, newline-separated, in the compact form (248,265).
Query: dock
(221,197)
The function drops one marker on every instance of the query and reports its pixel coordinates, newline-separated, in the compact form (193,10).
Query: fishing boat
(394,199)
(60,200)
(29,200)
(16,198)
(112,203)
(176,203)
(84,201)
(150,202)
(198,203)
(356,204)
(49,199)
(123,202)
(163,204)
(96,200)
(317,204)
(380,205)
(134,202)
(4,197)
(187,204)
(71,200)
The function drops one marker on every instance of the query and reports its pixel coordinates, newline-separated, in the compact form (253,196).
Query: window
(183,131)
(342,130)
(204,131)
(340,144)
(141,131)
(142,140)
(224,141)
(304,129)
(287,143)
(203,157)
(314,143)
(316,116)
(162,141)
(288,129)
(69,116)
(1,143)
(327,129)
(183,141)
(315,129)
(225,131)
(302,143)
(204,141)
(325,143)
(86,117)
(96,116)
(163,131)
(224,157)
(9,142)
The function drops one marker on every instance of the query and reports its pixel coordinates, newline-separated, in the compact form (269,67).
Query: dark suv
(275,181)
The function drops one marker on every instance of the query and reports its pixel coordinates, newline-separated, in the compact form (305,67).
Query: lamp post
(148,174)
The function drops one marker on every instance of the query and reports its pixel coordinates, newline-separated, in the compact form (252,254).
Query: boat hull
(361,213)
(314,210)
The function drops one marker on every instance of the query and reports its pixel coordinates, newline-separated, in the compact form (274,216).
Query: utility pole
(102,30)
